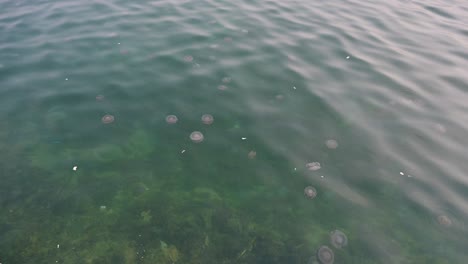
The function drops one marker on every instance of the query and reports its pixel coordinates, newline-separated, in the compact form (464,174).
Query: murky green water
(385,79)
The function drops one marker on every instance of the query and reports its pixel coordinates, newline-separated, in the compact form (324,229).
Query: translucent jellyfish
(207,119)
(188,58)
(222,87)
(313,166)
(444,221)
(252,154)
(107,119)
(310,192)
(171,119)
(331,144)
(338,239)
(325,255)
(196,136)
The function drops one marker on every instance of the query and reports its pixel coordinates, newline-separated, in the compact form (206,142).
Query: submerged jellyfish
(325,255)
(313,166)
(338,239)
(331,144)
(444,221)
(171,119)
(222,87)
(196,136)
(207,119)
(310,192)
(107,119)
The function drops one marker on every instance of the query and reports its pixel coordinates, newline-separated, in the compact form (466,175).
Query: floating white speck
(295,169)
(182,151)
(75,168)
(58,245)
(321,176)
(243,138)
(347,58)
(294,87)
(409,176)
(103,207)
(66,79)
(118,43)
(401,173)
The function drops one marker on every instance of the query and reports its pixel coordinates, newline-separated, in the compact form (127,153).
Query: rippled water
(282,79)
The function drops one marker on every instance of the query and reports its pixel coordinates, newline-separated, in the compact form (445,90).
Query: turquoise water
(386,80)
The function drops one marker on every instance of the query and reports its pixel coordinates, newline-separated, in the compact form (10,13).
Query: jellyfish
(207,119)
(222,87)
(444,221)
(107,119)
(325,255)
(310,192)
(196,136)
(338,239)
(313,166)
(171,119)
(331,144)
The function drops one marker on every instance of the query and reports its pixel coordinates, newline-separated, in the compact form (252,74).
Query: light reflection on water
(364,101)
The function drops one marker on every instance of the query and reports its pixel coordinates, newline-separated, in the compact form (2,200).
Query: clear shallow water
(386,80)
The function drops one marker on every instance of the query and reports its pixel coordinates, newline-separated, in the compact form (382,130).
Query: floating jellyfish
(188,58)
(107,119)
(171,119)
(207,119)
(222,87)
(313,166)
(338,239)
(99,97)
(444,221)
(331,144)
(196,136)
(325,255)
(252,154)
(310,192)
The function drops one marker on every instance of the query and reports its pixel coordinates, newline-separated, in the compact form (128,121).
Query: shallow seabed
(365,101)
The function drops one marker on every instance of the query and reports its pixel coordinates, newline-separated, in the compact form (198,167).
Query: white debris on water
(75,168)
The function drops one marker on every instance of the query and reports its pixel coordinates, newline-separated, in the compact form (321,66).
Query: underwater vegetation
(122,206)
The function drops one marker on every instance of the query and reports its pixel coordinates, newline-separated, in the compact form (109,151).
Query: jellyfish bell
(207,119)
(331,144)
(338,239)
(171,119)
(222,87)
(196,136)
(444,221)
(313,166)
(325,255)
(310,192)
(107,119)
(99,97)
